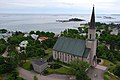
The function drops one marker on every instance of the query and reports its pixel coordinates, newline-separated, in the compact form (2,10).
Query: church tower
(91,41)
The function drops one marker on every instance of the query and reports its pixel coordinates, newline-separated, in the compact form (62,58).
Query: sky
(60,6)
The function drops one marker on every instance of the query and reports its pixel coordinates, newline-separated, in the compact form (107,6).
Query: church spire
(92,21)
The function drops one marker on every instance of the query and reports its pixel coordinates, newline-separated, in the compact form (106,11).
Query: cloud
(63,4)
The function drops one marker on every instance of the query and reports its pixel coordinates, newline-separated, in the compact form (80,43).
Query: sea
(47,22)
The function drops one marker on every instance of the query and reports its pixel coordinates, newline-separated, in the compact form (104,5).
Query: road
(28,75)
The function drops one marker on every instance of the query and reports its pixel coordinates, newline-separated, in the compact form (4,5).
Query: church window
(90,36)
(65,57)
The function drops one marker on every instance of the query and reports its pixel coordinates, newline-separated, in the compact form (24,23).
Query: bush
(27,66)
(45,72)
(55,66)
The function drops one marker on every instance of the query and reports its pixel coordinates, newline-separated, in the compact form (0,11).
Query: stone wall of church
(64,57)
(92,45)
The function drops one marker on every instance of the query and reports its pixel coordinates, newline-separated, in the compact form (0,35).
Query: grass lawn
(109,64)
(108,76)
(62,70)
(27,66)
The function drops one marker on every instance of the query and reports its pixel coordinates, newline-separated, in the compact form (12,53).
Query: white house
(23,44)
(68,49)
(34,36)
(115,31)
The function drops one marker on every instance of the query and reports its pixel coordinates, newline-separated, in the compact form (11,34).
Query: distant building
(115,31)
(34,36)
(26,35)
(23,44)
(43,38)
(68,49)
(39,64)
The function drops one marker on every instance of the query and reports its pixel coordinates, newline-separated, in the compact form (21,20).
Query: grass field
(27,66)
(62,70)
(111,66)
(109,76)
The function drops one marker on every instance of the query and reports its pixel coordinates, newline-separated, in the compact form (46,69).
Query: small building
(26,35)
(34,36)
(39,65)
(115,31)
(23,44)
(43,38)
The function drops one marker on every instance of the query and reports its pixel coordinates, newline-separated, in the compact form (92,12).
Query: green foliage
(45,72)
(3,30)
(78,69)
(3,46)
(103,52)
(13,76)
(117,70)
(62,70)
(1,60)
(32,32)
(15,40)
(72,33)
(27,66)
(109,76)
(55,66)
(33,51)
(7,64)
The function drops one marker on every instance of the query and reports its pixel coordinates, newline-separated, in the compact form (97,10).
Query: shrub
(55,66)
(45,72)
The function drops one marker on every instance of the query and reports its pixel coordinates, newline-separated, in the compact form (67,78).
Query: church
(68,49)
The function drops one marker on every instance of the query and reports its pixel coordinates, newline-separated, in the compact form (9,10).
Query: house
(115,31)
(34,36)
(42,38)
(23,44)
(39,64)
(68,49)
(5,36)
(26,35)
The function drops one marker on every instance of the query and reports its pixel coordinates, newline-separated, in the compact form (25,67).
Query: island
(72,19)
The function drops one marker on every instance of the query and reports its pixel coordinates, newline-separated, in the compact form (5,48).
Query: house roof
(43,38)
(86,53)
(71,46)
(39,61)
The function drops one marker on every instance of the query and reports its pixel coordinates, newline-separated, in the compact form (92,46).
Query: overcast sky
(59,6)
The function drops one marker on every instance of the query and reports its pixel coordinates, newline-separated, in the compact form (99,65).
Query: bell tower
(91,41)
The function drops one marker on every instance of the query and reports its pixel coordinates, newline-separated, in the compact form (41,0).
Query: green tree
(117,70)
(32,32)
(78,69)
(1,60)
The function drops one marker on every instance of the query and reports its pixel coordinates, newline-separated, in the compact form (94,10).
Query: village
(91,52)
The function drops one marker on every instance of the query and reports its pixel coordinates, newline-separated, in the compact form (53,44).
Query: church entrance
(95,61)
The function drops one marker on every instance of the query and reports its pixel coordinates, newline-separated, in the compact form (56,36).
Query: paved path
(101,67)
(97,72)
(28,75)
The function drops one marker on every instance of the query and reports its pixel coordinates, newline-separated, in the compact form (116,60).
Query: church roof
(71,46)
(92,21)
